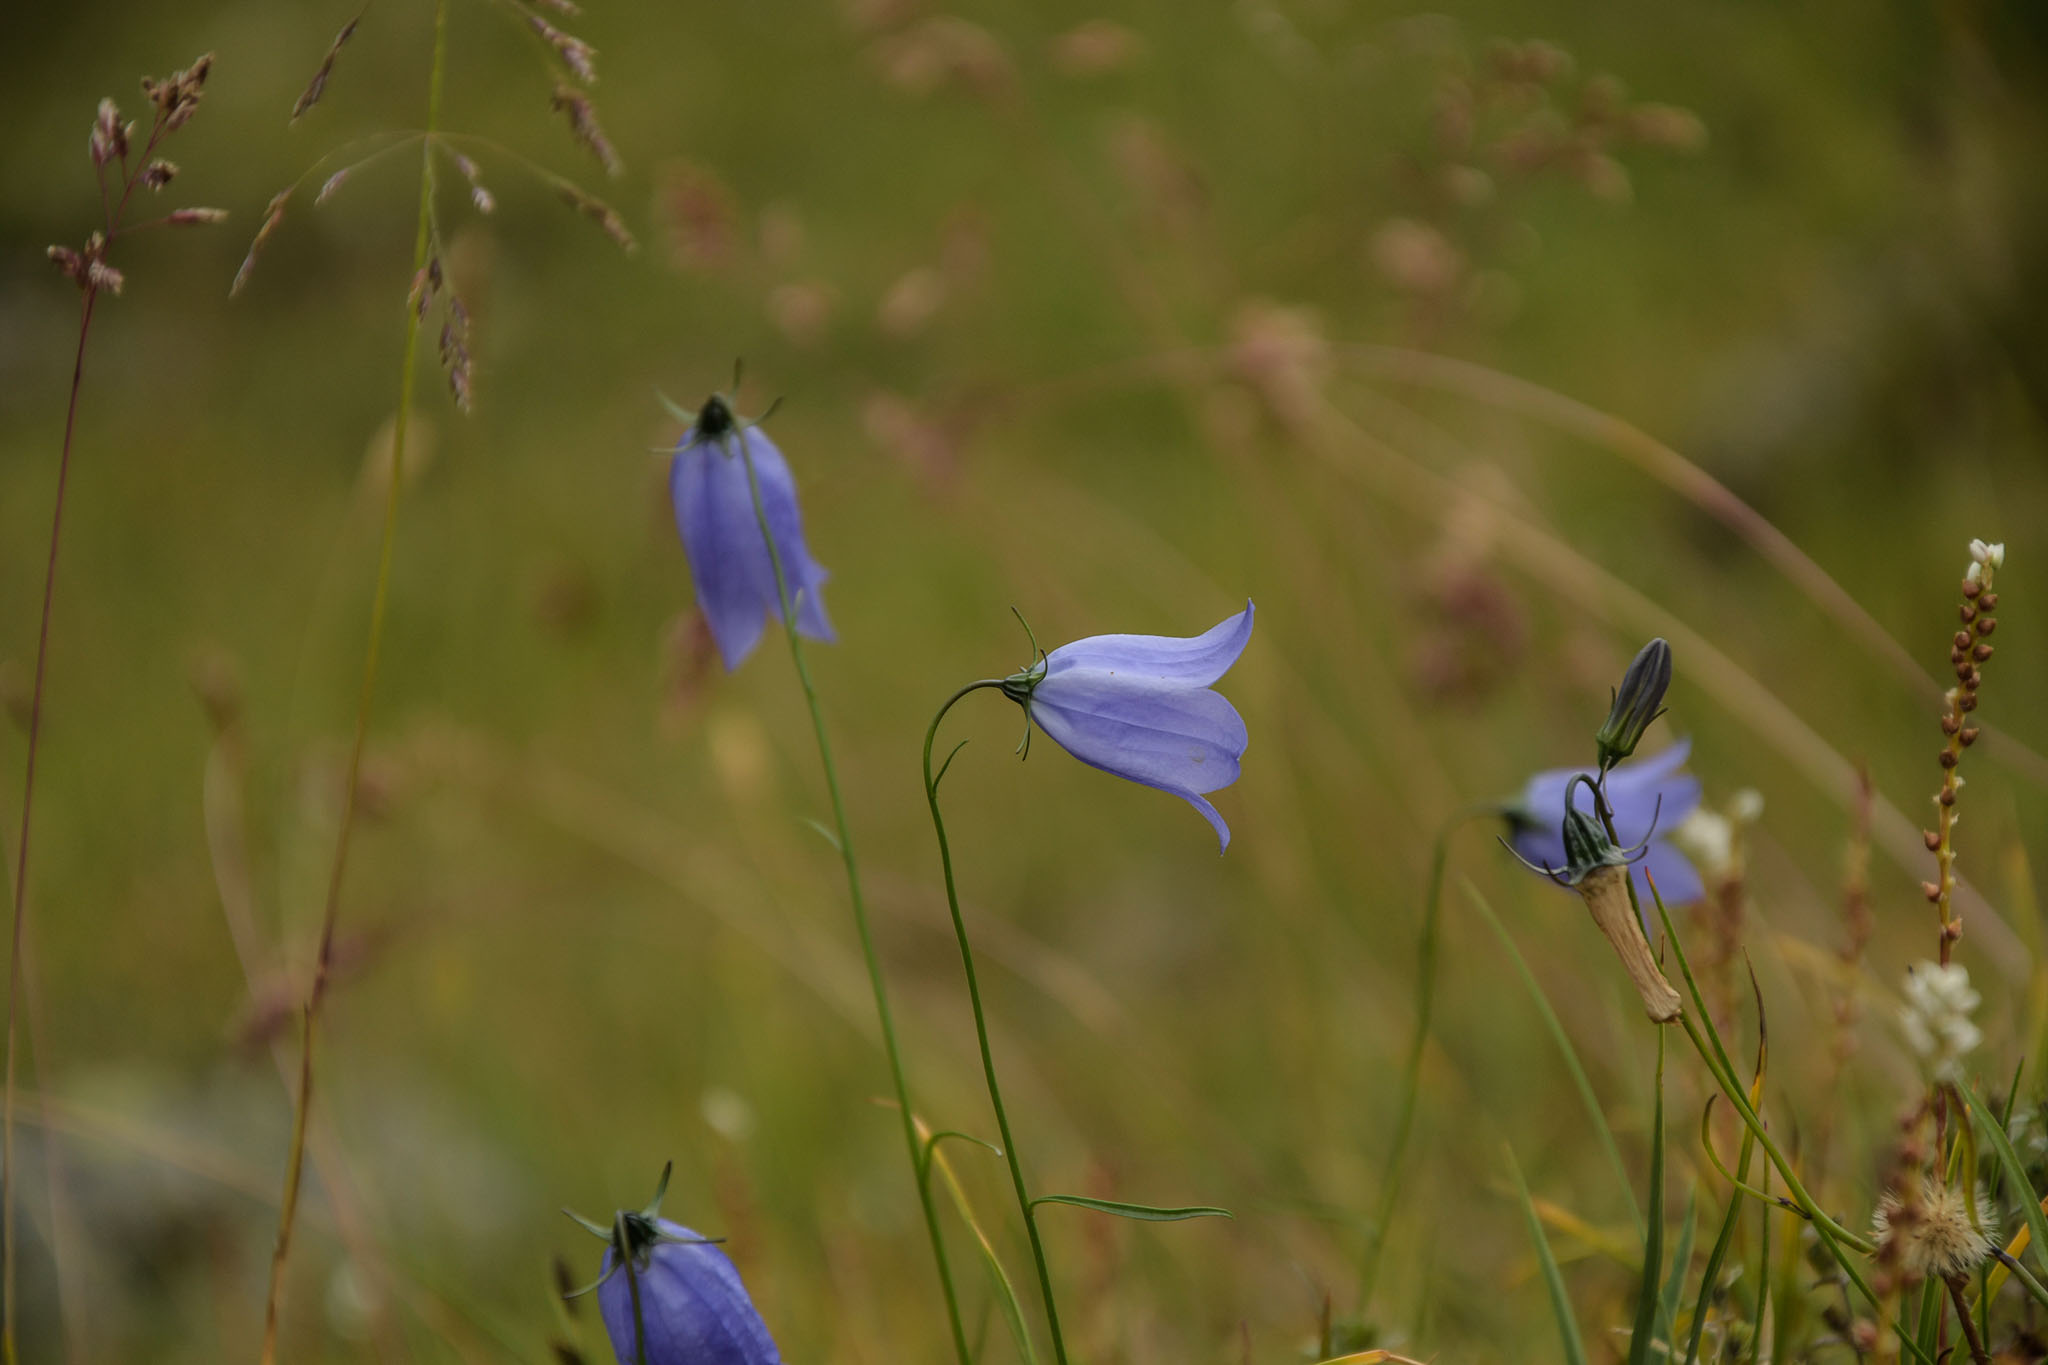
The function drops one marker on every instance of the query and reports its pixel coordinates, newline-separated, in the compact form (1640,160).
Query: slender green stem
(324,960)
(988,1063)
(860,912)
(1418,1042)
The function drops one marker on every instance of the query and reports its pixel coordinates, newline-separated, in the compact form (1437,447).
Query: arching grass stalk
(309,1015)
(1418,1041)
(920,1151)
(28,793)
(988,1063)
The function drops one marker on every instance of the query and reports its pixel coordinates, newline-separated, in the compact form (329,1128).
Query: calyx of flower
(1597,868)
(632,1236)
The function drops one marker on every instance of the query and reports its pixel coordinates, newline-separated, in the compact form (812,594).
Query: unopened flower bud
(1637,702)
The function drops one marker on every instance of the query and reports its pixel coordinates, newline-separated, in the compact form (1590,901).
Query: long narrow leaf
(1674,1283)
(1987,1124)
(999,1278)
(1560,1303)
(1144,1213)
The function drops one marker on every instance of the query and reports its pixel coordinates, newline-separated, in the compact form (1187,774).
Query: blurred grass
(599,922)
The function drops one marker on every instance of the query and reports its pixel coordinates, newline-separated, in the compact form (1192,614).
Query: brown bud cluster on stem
(1968,652)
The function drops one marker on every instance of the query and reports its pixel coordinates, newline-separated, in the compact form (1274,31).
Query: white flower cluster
(1936,1018)
(1982,557)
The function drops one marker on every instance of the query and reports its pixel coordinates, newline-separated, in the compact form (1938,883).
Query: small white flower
(1712,839)
(1936,1017)
(1708,838)
(1991,556)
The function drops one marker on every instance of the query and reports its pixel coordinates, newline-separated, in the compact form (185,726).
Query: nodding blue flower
(670,1297)
(1648,798)
(1140,706)
(722,537)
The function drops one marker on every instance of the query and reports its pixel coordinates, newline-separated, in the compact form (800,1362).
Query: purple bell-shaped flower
(1141,706)
(729,557)
(671,1297)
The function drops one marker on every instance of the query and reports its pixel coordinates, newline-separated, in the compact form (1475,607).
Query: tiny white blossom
(1712,839)
(1992,556)
(1936,1017)
(1708,838)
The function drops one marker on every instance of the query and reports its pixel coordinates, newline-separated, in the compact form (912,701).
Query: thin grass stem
(1418,1042)
(323,962)
(1555,1027)
(988,1063)
(28,792)
(883,1013)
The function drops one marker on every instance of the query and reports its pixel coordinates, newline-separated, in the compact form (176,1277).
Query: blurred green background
(1116,314)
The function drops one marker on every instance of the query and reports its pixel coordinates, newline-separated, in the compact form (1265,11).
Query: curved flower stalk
(1645,798)
(670,1297)
(731,559)
(1141,707)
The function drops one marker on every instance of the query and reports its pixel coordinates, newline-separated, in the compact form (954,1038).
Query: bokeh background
(1116,314)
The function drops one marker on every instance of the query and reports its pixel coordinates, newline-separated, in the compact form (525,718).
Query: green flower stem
(988,1064)
(310,1012)
(860,916)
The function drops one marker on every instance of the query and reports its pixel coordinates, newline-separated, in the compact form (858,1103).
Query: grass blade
(1564,1045)
(1987,1124)
(1674,1283)
(1144,1213)
(999,1278)
(1560,1303)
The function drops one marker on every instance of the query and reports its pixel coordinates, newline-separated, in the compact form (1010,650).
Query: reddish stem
(35,730)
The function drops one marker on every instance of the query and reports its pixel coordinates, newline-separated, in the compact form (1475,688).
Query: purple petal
(693,1307)
(1676,880)
(1632,790)
(1193,662)
(785,521)
(722,538)
(1184,740)
(1541,845)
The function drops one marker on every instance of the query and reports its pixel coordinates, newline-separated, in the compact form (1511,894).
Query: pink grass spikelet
(273,214)
(318,85)
(109,135)
(583,126)
(580,57)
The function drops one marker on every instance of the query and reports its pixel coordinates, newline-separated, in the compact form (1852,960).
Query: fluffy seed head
(1935,1231)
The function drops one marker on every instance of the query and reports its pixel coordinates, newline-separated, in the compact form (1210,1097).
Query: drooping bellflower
(1648,797)
(670,1297)
(1141,706)
(722,537)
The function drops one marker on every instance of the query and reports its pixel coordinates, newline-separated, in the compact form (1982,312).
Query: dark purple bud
(1637,702)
